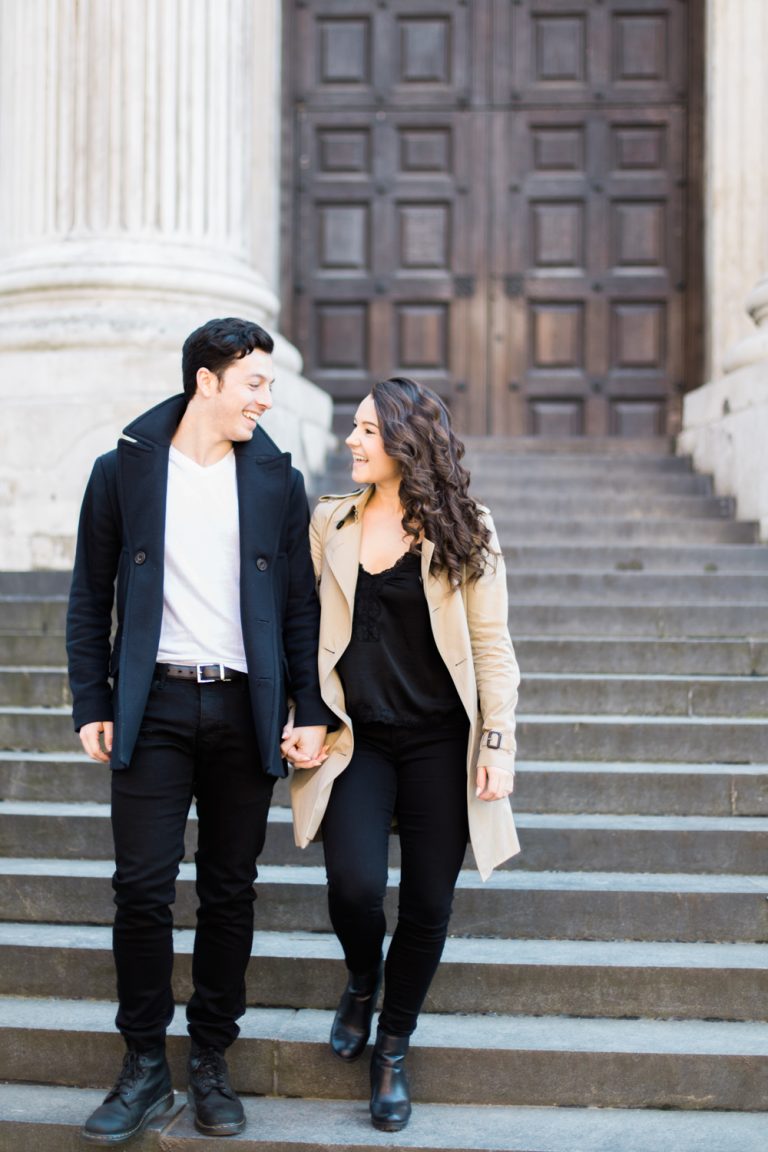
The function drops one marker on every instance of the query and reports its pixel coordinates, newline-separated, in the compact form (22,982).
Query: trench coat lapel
(343,556)
(342,549)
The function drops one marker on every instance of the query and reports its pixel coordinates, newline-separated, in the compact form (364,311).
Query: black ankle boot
(390,1094)
(142,1090)
(211,1098)
(352,1023)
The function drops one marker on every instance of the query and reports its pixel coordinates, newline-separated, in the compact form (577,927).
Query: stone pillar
(725,422)
(139,198)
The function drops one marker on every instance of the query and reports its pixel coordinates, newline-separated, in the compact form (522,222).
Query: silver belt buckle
(211,679)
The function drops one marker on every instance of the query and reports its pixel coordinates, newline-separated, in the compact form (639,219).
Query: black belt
(200,673)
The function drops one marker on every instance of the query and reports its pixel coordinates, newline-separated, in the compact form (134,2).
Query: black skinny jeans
(419,776)
(195,740)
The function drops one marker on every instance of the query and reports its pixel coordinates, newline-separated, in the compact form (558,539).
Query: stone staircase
(606,993)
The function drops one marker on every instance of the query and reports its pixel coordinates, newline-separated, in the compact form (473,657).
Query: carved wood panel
(489,195)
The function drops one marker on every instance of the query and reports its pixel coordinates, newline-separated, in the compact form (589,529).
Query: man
(202,523)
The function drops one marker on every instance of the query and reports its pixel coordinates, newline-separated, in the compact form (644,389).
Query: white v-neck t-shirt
(201,587)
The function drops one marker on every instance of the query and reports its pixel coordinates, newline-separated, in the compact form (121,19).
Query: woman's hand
(304,747)
(493,783)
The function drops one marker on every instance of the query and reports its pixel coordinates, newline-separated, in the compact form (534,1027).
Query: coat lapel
(343,555)
(262,494)
(342,548)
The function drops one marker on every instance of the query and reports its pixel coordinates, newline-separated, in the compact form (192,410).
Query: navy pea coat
(121,539)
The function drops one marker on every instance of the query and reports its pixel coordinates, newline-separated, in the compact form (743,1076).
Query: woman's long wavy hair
(416,430)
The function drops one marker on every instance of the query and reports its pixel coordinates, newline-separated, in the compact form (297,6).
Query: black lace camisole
(392,672)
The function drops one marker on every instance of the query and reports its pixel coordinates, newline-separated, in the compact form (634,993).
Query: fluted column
(725,422)
(736,181)
(130,168)
(139,197)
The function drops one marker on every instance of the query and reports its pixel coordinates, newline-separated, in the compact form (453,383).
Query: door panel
(489,196)
(587,265)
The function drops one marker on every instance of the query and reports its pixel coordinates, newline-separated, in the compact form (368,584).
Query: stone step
(515,530)
(652,789)
(501,483)
(520,977)
(641,789)
(594,842)
(638,588)
(660,621)
(540,736)
(582,654)
(512,904)
(468,1059)
(48,1119)
(540,692)
(682,559)
(42,582)
(601,448)
(524,501)
(642,657)
(27,649)
(36,614)
(722,596)
(641,738)
(600,693)
(63,777)
(30,686)
(540,786)
(620,617)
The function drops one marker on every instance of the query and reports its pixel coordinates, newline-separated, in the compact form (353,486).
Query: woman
(416,662)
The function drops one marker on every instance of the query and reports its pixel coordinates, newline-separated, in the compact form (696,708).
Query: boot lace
(128,1075)
(210,1073)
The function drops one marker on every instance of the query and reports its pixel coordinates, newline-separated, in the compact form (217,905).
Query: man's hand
(90,738)
(304,747)
(493,783)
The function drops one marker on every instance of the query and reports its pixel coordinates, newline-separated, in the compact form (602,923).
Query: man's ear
(207,382)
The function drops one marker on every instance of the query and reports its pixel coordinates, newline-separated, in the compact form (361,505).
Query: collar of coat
(158,425)
(342,546)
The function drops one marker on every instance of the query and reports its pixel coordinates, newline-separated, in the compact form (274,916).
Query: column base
(725,430)
(77,364)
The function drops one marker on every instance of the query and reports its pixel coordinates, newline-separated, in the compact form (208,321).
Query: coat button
(262,564)
(140,557)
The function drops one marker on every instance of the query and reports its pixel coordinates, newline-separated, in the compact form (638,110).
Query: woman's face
(370,462)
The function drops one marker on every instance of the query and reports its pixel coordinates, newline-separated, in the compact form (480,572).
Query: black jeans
(195,740)
(419,776)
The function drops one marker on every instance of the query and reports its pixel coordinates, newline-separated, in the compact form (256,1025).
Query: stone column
(139,197)
(725,422)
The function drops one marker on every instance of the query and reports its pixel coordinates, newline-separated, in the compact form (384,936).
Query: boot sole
(389,1125)
(233,1129)
(156,1109)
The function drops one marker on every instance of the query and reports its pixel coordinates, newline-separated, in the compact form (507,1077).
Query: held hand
(90,738)
(304,747)
(493,783)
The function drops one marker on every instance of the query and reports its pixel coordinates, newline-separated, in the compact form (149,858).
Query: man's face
(242,396)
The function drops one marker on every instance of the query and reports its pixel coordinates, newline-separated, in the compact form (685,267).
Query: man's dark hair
(216,345)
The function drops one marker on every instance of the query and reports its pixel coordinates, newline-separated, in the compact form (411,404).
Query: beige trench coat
(470,630)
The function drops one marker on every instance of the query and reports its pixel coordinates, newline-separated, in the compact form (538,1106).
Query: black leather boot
(352,1023)
(211,1098)
(390,1093)
(142,1090)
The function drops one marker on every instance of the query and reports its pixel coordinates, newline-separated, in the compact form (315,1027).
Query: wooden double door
(491,196)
